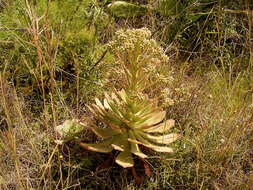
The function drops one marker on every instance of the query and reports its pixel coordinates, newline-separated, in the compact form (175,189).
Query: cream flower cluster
(137,42)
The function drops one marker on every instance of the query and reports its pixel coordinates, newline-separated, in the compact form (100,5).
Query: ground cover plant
(57,57)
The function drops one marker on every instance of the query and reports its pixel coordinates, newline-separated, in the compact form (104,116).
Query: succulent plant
(69,130)
(130,122)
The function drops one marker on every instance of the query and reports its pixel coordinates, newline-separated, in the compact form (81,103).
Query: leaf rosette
(130,122)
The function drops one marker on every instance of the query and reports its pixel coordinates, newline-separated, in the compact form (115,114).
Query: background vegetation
(54,61)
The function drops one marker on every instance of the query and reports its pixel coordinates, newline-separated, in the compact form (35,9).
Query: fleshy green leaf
(112,99)
(161,148)
(69,129)
(144,142)
(104,132)
(125,159)
(163,139)
(115,106)
(109,116)
(103,147)
(123,95)
(146,109)
(106,105)
(153,119)
(135,149)
(99,103)
(161,128)
(120,142)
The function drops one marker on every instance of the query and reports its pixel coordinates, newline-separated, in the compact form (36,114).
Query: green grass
(212,71)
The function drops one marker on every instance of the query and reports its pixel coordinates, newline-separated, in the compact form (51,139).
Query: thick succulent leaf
(103,147)
(143,117)
(106,105)
(156,118)
(109,117)
(135,149)
(115,108)
(115,98)
(105,132)
(145,110)
(99,103)
(136,107)
(112,99)
(96,110)
(123,95)
(117,116)
(117,128)
(163,139)
(144,142)
(125,159)
(120,142)
(110,109)
(132,138)
(92,110)
(161,148)
(152,119)
(69,129)
(99,111)
(161,128)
